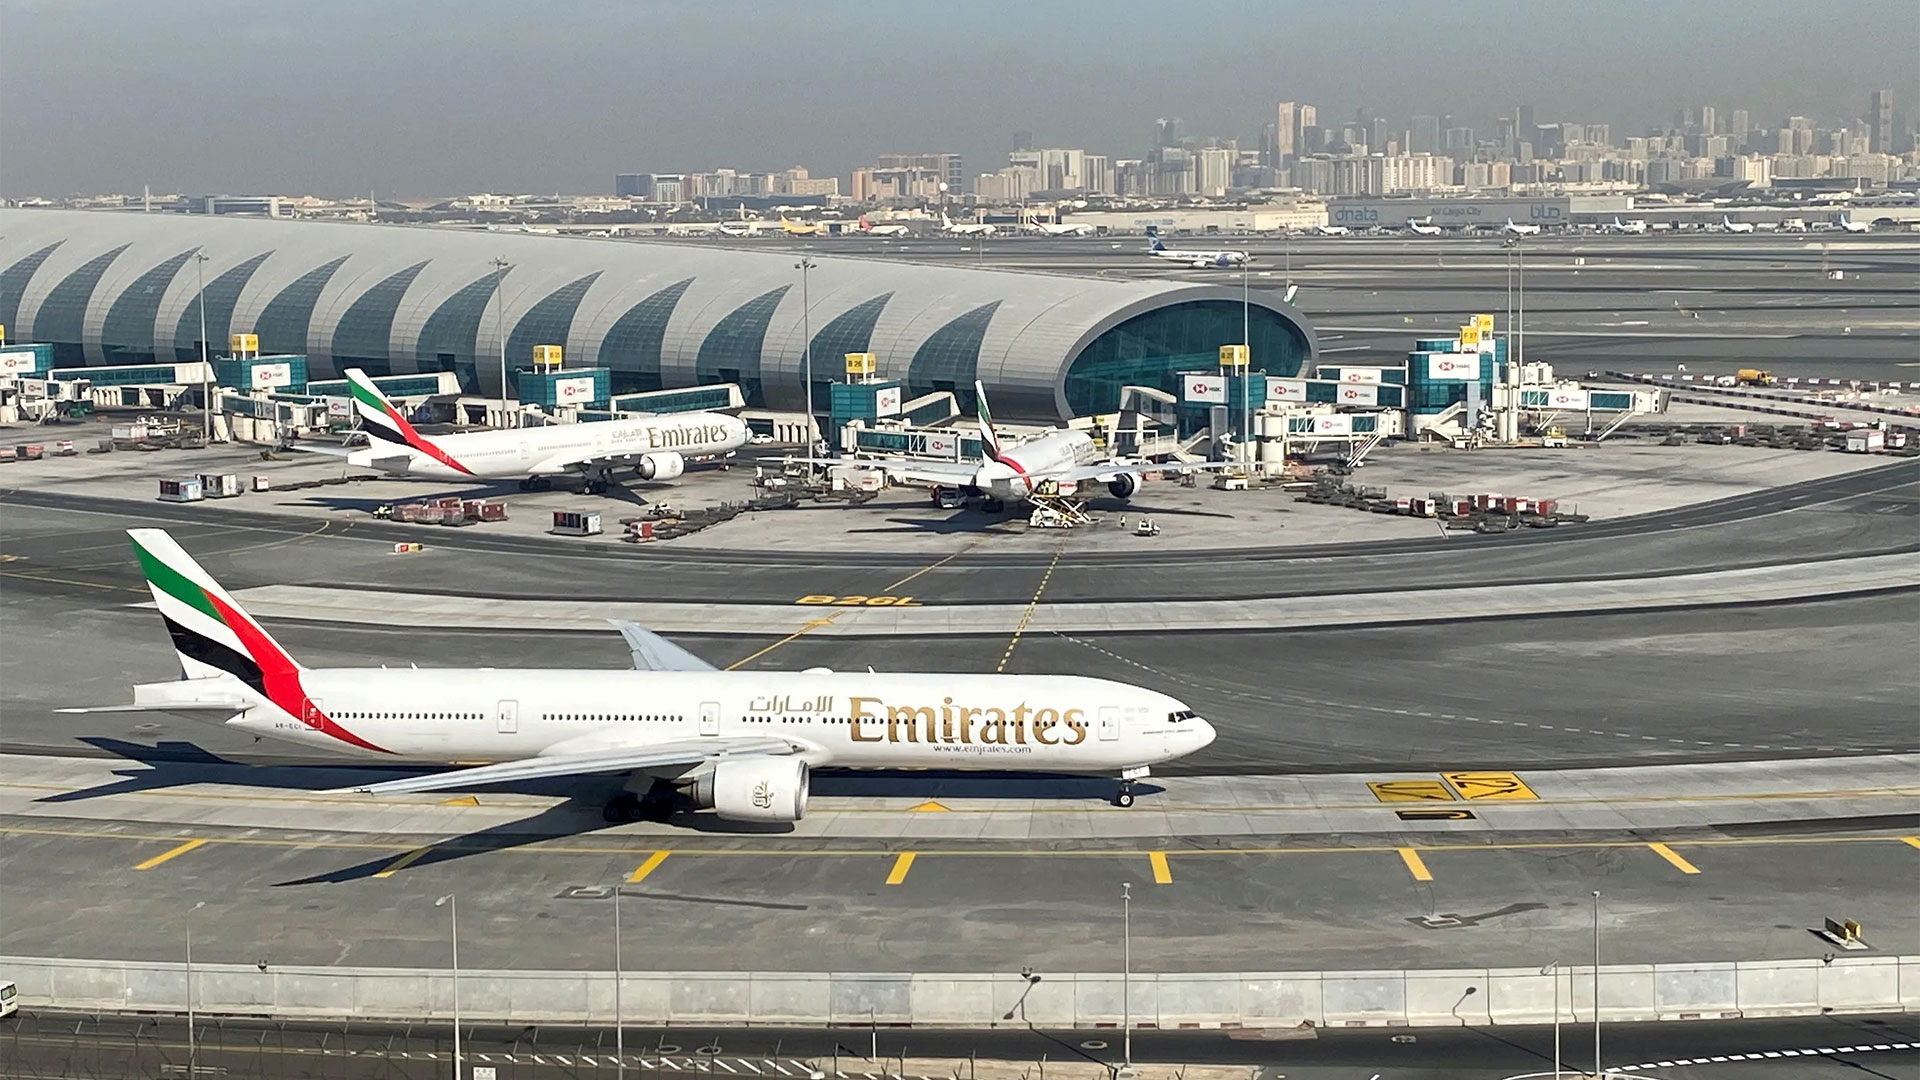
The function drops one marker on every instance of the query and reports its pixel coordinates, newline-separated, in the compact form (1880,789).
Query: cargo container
(263,483)
(181,491)
(29,451)
(1866,441)
(220,485)
(576,523)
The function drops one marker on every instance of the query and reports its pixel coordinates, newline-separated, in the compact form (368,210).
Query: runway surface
(73,1047)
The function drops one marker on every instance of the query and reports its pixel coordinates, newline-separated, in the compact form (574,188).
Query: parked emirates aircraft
(1847,224)
(1635,227)
(739,743)
(655,447)
(1423,228)
(965,228)
(1054,463)
(1729,225)
(868,228)
(1056,227)
(1333,230)
(1519,230)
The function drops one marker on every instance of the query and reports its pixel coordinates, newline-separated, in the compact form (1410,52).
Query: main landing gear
(655,805)
(537,483)
(1124,797)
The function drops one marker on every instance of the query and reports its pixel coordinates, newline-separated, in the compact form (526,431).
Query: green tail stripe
(169,581)
(366,397)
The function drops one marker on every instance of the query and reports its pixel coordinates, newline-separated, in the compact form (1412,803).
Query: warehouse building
(122,288)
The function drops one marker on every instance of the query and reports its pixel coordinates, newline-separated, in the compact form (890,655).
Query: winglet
(651,652)
(989,439)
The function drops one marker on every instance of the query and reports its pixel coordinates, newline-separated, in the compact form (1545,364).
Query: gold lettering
(860,713)
(967,717)
(911,715)
(1042,731)
(994,730)
(946,721)
(1042,718)
(1077,726)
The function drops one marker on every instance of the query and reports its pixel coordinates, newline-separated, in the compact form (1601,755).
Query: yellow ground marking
(170,853)
(461,800)
(937,564)
(1489,785)
(1673,857)
(930,807)
(653,863)
(1162,873)
(1410,791)
(1415,865)
(902,863)
(1026,615)
(557,848)
(1911,841)
(403,861)
(811,625)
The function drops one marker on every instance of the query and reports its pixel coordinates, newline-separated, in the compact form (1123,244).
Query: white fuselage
(559,448)
(1021,468)
(862,720)
(1200,259)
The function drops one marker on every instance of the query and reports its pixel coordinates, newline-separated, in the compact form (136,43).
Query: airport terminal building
(122,288)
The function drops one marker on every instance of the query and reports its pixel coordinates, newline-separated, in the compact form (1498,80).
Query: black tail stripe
(385,432)
(212,653)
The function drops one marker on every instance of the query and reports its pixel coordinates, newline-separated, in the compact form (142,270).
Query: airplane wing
(614,760)
(198,710)
(651,652)
(917,472)
(1107,470)
(329,449)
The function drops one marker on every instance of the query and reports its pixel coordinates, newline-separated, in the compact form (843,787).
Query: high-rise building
(1286,124)
(630,185)
(1523,122)
(1166,131)
(949,168)
(1215,171)
(1706,120)
(1459,140)
(1305,118)
(1423,137)
(1880,117)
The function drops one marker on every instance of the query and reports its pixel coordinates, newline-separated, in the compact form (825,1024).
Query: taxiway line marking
(1911,841)
(902,863)
(1415,865)
(1026,615)
(170,853)
(653,863)
(1162,873)
(403,862)
(1673,857)
(812,624)
(937,564)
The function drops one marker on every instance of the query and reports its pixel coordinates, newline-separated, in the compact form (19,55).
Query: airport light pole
(453,912)
(500,328)
(206,368)
(1126,974)
(193,1046)
(1246,369)
(805,266)
(1553,970)
(1596,984)
(619,1023)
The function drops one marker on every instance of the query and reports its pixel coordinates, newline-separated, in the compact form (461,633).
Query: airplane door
(709,718)
(508,715)
(315,716)
(1109,722)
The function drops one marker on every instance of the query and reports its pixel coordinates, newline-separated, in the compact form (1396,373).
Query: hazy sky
(424,97)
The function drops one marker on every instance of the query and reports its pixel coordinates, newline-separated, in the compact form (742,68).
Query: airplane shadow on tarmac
(175,764)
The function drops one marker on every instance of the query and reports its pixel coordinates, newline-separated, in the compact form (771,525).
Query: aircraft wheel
(1124,797)
(622,808)
(993,506)
(526,485)
(542,483)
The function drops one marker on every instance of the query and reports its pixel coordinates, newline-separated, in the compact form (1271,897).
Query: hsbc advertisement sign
(886,402)
(1567,399)
(1333,425)
(1360,375)
(1210,388)
(1460,366)
(1358,395)
(573,391)
(268,376)
(1286,390)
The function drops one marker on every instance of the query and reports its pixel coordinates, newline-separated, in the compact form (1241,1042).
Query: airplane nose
(1204,731)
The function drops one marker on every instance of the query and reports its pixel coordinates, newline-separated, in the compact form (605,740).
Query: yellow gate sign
(1410,791)
(1489,785)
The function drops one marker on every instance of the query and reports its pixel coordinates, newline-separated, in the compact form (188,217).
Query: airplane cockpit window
(1183,714)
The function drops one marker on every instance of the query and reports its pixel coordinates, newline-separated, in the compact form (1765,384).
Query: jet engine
(667,466)
(755,789)
(1124,485)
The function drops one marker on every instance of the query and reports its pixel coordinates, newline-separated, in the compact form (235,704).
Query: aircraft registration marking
(857,600)
(1489,785)
(1410,791)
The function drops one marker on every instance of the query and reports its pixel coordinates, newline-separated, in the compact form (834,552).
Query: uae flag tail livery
(228,661)
(384,424)
(989,439)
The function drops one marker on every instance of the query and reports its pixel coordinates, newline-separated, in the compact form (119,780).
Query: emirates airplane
(655,447)
(739,743)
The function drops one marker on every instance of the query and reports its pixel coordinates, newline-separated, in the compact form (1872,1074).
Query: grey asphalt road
(44,1046)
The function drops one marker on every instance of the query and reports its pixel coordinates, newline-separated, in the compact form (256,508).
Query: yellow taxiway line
(653,863)
(170,853)
(403,862)
(1162,873)
(1415,865)
(902,863)
(1673,857)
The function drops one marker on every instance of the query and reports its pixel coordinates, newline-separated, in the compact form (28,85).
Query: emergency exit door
(508,715)
(709,718)
(1109,722)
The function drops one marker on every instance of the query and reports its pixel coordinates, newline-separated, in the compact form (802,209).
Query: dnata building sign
(1448,213)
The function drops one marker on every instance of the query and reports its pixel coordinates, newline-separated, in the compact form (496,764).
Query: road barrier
(1466,996)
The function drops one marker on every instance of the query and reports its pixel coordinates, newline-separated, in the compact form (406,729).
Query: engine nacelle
(755,789)
(1124,485)
(667,466)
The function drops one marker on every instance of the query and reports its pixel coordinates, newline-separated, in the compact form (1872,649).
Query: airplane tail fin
(212,635)
(382,420)
(865,225)
(989,439)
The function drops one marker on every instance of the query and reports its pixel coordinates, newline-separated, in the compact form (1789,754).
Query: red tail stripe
(281,677)
(420,442)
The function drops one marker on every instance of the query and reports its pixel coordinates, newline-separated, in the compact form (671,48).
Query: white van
(9,999)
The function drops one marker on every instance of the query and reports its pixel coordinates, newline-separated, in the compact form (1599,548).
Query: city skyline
(297,103)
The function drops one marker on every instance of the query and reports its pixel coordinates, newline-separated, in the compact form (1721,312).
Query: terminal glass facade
(447,340)
(851,331)
(1154,348)
(950,358)
(223,293)
(731,351)
(64,311)
(13,282)
(363,336)
(127,335)
(283,323)
(631,349)
(547,322)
